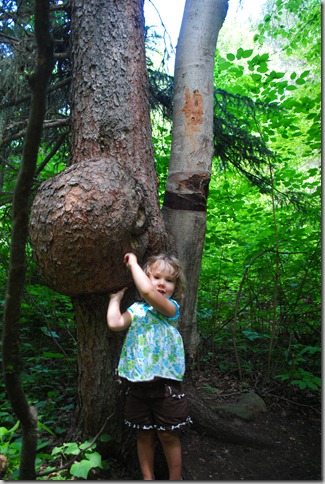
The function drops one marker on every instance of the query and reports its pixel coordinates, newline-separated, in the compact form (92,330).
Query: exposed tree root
(207,422)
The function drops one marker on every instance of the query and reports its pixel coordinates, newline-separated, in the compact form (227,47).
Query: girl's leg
(173,452)
(146,453)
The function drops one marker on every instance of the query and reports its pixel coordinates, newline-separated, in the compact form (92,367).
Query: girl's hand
(130,259)
(117,296)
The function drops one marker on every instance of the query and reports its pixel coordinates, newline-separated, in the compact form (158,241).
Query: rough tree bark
(17,265)
(86,218)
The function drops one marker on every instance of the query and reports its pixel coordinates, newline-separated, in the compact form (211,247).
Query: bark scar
(188,192)
(193,112)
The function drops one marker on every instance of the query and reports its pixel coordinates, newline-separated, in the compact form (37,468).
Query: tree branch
(16,102)
(50,123)
(17,264)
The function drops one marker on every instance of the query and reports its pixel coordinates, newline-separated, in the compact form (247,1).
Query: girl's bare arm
(115,320)
(146,288)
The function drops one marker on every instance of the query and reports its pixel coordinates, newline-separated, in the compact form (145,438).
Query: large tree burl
(82,222)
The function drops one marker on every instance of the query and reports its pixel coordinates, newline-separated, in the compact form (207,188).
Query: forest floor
(293,423)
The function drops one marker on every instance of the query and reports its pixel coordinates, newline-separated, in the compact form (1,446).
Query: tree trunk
(98,353)
(184,208)
(86,218)
(17,266)
(106,203)
(110,94)
(111,123)
(100,392)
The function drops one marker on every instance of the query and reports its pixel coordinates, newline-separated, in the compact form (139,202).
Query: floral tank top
(153,347)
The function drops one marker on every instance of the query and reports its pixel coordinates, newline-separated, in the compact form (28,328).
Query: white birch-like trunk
(184,208)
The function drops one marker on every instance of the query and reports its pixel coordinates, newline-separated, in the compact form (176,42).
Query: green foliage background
(259,301)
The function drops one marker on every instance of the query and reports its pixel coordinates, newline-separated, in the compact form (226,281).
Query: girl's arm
(147,289)
(115,320)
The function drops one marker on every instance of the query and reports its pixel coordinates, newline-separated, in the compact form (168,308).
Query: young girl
(152,360)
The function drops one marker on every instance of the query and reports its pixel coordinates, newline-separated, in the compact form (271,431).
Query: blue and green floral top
(153,347)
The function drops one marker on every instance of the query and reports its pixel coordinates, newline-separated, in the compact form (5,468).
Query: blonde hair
(174,263)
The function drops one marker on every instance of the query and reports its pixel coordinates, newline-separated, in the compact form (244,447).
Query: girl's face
(162,277)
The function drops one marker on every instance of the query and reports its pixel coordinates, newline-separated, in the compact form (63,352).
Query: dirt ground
(293,423)
(295,456)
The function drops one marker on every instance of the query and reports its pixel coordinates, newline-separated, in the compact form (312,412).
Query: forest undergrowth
(292,419)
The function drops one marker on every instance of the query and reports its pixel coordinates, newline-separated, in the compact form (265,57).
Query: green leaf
(69,448)
(49,354)
(15,427)
(310,349)
(247,53)
(262,67)
(57,450)
(85,444)
(300,81)
(53,334)
(105,438)
(224,65)
(4,447)
(239,53)
(277,75)
(95,459)
(256,77)
(231,57)
(44,427)
(3,431)
(41,445)
(81,469)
